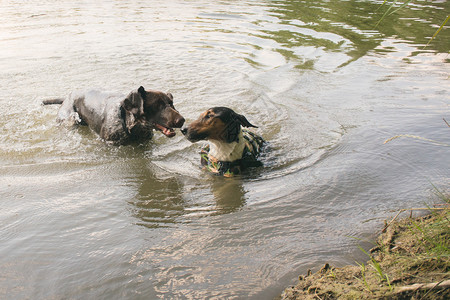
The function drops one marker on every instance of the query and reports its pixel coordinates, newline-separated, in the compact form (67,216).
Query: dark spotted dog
(231,148)
(120,118)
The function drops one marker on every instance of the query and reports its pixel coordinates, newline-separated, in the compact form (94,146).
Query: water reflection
(159,201)
(164,199)
(229,194)
(326,35)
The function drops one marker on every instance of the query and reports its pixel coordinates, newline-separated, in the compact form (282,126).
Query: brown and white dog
(231,148)
(119,118)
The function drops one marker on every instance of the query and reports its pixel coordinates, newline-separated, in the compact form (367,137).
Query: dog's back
(98,109)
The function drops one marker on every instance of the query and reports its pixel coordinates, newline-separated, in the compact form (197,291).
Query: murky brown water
(83,220)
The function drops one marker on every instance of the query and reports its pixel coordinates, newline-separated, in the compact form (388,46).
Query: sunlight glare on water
(84,219)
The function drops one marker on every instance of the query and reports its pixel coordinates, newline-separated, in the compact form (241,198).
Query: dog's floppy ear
(142,92)
(132,108)
(244,122)
(234,127)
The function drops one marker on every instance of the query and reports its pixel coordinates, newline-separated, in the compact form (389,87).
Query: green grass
(410,252)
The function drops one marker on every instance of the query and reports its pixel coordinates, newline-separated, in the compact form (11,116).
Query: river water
(81,219)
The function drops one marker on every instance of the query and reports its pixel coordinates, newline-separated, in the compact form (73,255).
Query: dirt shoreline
(411,260)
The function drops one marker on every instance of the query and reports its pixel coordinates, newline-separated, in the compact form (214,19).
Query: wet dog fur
(121,118)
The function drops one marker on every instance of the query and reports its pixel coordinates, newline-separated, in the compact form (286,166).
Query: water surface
(83,219)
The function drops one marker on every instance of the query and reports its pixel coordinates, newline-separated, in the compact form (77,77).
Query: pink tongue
(166,131)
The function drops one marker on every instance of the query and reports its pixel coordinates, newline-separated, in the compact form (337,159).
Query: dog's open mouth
(167,131)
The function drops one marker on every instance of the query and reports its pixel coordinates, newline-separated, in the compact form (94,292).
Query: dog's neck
(223,151)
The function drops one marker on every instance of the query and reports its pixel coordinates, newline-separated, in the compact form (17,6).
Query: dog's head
(217,123)
(142,108)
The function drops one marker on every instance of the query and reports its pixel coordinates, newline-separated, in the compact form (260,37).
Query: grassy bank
(411,260)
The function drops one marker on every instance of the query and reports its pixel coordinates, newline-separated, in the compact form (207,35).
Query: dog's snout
(179,122)
(184,130)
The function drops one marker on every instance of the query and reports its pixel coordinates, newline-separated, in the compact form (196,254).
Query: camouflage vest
(253,145)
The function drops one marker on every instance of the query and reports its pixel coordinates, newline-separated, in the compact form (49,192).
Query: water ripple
(144,221)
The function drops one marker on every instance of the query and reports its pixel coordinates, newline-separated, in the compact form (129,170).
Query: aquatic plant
(419,138)
(396,6)
(391,9)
